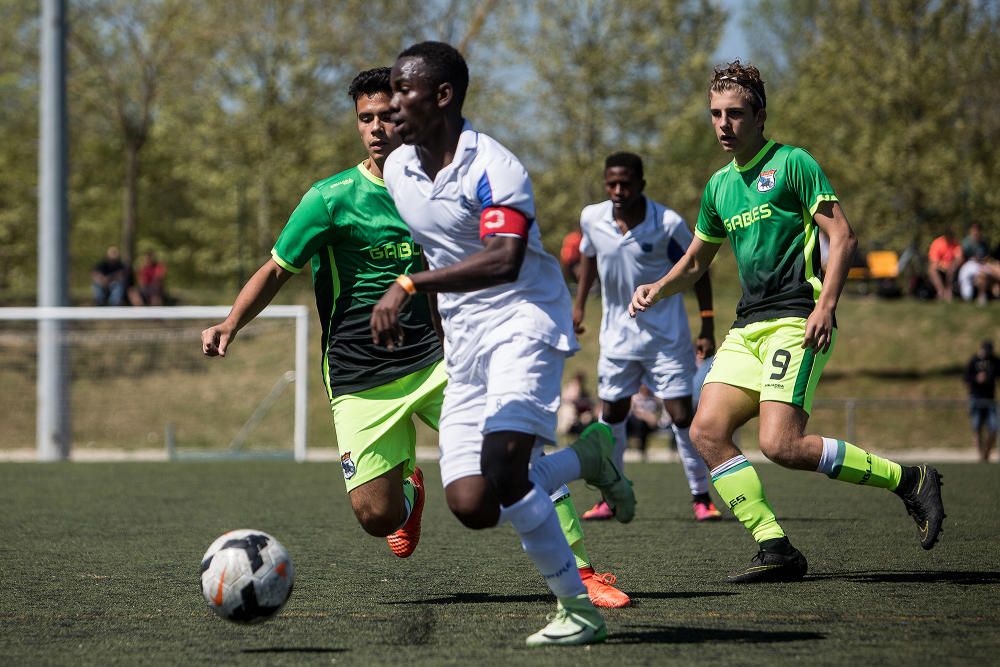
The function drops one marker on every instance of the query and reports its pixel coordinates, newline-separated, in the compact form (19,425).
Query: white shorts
(667,376)
(514,386)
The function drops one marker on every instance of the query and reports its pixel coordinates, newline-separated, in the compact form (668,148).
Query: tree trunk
(130,213)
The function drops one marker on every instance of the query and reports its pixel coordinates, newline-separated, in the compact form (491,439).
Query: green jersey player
(771,202)
(348,229)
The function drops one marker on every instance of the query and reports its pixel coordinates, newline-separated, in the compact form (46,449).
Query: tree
(615,76)
(129,51)
(895,100)
(19,158)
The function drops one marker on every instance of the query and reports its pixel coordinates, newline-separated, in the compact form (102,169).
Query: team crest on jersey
(348,465)
(766,180)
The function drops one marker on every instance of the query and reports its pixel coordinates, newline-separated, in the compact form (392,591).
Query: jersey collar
(370,176)
(609,219)
(465,151)
(757,158)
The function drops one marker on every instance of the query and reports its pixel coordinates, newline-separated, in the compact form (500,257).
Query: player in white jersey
(629,240)
(508,329)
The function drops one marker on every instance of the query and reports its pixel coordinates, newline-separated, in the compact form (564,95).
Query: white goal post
(208,313)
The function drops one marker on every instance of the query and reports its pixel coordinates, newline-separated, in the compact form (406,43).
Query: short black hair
(627,160)
(446,65)
(370,82)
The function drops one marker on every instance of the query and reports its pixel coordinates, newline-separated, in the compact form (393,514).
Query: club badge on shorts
(765,181)
(348,465)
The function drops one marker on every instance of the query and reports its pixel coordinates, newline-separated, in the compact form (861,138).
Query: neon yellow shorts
(767,357)
(375,431)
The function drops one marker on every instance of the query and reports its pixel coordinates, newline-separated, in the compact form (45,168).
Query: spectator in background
(945,257)
(981,379)
(644,417)
(974,242)
(569,256)
(576,407)
(152,273)
(109,279)
(979,278)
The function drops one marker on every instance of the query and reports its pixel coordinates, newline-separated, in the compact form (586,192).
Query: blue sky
(734,43)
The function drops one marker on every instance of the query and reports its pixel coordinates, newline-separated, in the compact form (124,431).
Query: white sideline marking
(81,455)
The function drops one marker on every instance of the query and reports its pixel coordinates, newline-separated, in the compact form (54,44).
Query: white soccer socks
(694,466)
(534,518)
(554,470)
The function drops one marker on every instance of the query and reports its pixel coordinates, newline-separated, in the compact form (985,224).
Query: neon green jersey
(348,228)
(765,208)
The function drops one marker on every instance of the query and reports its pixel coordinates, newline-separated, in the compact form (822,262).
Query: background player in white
(631,240)
(507,323)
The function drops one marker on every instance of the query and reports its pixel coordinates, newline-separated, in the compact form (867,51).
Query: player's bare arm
(686,272)
(831,220)
(497,263)
(588,274)
(705,342)
(253,298)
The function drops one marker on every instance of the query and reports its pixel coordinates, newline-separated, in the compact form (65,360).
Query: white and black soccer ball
(246,576)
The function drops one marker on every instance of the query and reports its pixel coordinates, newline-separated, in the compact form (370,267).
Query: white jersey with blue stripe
(443,215)
(641,255)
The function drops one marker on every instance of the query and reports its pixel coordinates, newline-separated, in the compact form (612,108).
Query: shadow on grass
(475,598)
(665,634)
(293,649)
(965,578)
(677,595)
(479,598)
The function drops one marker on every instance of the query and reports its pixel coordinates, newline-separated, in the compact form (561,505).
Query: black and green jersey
(348,228)
(765,208)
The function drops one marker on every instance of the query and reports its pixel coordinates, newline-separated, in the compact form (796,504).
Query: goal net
(137,382)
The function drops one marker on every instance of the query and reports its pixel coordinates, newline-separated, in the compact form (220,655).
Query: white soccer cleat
(576,621)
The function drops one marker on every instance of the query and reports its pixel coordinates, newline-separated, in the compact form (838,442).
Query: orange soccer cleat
(404,541)
(601,589)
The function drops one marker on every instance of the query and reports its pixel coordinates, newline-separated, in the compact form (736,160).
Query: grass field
(101,567)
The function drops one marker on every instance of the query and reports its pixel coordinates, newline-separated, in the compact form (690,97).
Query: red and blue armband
(503,220)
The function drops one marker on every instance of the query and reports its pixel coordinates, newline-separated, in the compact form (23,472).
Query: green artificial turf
(101,567)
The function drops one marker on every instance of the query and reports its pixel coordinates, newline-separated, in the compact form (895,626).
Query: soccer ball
(246,576)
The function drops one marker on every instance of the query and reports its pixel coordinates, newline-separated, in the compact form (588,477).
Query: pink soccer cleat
(601,511)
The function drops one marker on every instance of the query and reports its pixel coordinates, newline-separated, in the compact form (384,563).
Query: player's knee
(683,421)
(779,449)
(681,412)
(503,472)
(377,518)
(705,436)
(473,514)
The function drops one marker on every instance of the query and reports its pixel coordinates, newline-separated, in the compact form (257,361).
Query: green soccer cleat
(576,621)
(924,504)
(595,449)
(777,560)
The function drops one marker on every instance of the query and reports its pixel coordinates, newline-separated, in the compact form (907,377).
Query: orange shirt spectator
(945,257)
(569,255)
(945,251)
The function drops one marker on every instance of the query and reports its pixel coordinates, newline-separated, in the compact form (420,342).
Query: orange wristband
(708,313)
(406,283)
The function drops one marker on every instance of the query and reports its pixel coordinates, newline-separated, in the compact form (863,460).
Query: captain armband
(503,220)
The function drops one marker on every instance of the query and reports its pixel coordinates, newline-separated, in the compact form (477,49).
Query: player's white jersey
(624,261)
(444,217)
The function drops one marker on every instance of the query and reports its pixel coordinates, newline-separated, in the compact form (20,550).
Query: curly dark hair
(370,82)
(446,65)
(744,79)
(628,160)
